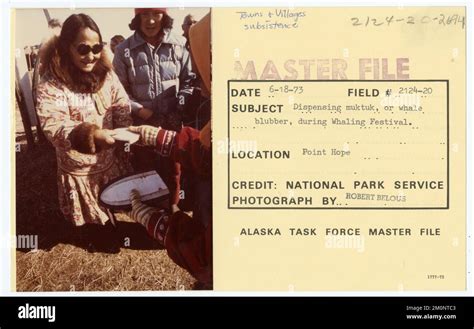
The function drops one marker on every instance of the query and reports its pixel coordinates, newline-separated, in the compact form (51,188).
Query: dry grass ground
(63,261)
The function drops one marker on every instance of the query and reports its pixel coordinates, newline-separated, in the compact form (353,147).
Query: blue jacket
(153,78)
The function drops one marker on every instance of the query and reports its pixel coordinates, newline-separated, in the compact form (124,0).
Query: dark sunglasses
(83,49)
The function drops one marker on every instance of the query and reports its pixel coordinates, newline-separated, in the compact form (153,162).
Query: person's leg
(154,220)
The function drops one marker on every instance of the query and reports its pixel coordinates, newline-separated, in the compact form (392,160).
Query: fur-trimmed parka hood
(66,72)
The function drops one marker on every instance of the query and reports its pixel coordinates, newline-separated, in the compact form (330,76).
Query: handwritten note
(274,19)
(394,20)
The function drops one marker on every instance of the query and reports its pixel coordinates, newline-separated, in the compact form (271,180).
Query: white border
(6,120)
(5,140)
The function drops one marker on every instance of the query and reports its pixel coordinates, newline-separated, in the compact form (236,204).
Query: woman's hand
(103,139)
(88,138)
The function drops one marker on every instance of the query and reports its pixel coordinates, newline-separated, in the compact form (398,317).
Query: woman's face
(150,23)
(85,50)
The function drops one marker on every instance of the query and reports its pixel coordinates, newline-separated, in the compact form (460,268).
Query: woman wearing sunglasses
(79,100)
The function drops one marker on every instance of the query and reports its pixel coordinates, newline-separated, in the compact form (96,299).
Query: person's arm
(120,104)
(53,114)
(164,142)
(186,76)
(120,68)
